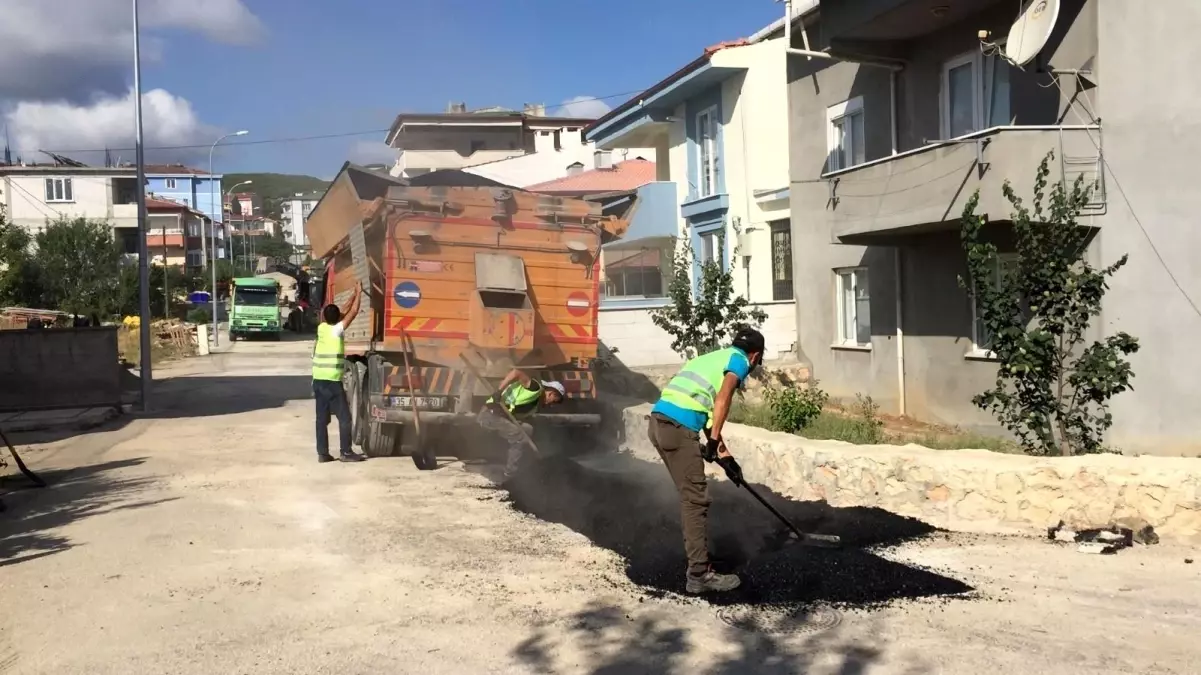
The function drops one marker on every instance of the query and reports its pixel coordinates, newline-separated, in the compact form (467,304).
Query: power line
(1118,184)
(315,137)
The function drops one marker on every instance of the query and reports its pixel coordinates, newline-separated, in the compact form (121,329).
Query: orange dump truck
(462,281)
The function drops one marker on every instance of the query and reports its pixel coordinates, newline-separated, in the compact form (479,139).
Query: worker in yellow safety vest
(329,354)
(521,396)
(698,400)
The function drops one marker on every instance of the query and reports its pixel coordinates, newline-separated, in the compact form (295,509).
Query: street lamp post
(213,233)
(143,233)
(229,192)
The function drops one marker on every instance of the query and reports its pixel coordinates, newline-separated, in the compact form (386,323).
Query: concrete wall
(641,343)
(59,368)
(1152,138)
(965,490)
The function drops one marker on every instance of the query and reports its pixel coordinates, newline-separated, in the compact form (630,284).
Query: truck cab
(254,308)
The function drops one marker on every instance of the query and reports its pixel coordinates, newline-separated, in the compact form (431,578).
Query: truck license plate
(423,402)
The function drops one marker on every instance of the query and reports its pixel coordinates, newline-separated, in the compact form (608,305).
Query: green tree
(80,267)
(1053,386)
(20,283)
(706,320)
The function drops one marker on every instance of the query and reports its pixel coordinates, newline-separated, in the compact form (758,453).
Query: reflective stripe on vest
(519,401)
(328,354)
(695,387)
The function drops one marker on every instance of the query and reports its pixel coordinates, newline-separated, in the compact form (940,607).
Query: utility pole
(143,231)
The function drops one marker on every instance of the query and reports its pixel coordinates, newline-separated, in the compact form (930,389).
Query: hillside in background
(274,188)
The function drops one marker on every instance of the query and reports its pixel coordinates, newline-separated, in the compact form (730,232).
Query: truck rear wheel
(382,439)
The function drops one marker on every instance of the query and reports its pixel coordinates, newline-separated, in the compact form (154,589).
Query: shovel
(476,374)
(807,538)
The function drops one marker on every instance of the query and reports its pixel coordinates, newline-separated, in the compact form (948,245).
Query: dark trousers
(507,429)
(331,400)
(681,452)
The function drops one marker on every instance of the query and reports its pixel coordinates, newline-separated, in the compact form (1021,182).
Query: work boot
(351,457)
(322,459)
(712,582)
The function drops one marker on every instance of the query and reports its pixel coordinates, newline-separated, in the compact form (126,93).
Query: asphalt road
(205,538)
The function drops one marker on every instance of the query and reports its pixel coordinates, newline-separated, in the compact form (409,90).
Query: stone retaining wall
(965,490)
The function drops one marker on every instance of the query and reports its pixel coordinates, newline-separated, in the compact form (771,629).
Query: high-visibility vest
(328,354)
(520,401)
(695,387)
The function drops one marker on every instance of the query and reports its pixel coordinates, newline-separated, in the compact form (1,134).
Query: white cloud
(372,152)
(582,106)
(167,120)
(73,49)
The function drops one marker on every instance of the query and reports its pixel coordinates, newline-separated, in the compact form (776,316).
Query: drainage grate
(780,619)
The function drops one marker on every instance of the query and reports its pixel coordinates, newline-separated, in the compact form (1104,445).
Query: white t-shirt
(337,330)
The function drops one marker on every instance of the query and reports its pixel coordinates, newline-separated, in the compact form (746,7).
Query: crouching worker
(698,400)
(521,396)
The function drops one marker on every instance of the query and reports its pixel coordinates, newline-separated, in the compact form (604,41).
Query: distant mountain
(275,188)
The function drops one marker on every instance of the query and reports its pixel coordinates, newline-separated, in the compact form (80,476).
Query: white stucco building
(295,212)
(720,129)
(514,148)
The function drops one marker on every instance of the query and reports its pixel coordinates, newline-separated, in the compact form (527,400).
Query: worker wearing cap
(698,400)
(520,396)
(329,353)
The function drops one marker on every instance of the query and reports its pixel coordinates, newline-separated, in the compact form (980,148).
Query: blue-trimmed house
(719,127)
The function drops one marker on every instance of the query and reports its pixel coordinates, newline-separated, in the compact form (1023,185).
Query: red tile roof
(156,204)
(627,175)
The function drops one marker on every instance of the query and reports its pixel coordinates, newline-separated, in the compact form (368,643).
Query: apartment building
(717,125)
(174,233)
(193,188)
(510,147)
(295,212)
(35,195)
(901,109)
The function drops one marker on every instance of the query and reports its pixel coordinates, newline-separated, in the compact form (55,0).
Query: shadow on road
(616,643)
(29,527)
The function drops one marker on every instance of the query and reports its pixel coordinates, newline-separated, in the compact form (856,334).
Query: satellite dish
(1029,34)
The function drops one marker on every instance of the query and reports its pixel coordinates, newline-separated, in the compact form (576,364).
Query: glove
(733,471)
(709,450)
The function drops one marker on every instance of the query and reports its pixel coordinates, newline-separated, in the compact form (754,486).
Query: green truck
(255,308)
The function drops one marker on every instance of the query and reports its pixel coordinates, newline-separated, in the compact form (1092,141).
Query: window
(706,141)
(637,273)
(307,208)
(195,259)
(1002,265)
(781,260)
(170,183)
(846,141)
(975,94)
(711,247)
(59,190)
(854,308)
(185,202)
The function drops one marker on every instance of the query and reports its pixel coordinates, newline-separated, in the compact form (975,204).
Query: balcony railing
(926,189)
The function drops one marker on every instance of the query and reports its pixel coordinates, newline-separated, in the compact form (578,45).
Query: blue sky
(334,66)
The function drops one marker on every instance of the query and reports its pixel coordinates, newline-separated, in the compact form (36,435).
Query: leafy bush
(703,318)
(793,408)
(1053,388)
(199,315)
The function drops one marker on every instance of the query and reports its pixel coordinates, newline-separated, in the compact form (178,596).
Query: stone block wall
(965,490)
